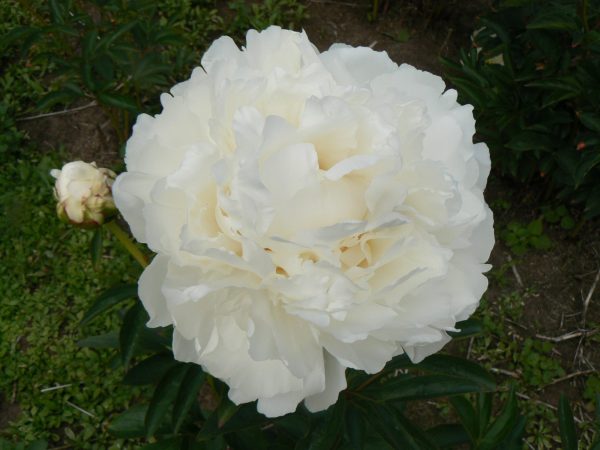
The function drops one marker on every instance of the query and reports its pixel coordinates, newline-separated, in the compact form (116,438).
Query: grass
(48,281)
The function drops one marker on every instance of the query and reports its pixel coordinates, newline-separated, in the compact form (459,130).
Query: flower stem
(127,242)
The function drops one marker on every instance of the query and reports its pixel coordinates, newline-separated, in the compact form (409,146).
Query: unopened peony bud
(83,192)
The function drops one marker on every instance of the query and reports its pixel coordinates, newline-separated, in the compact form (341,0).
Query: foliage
(190,409)
(520,238)
(533,81)
(122,55)
(47,280)
(260,15)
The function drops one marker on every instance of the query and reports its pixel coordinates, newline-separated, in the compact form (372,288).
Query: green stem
(127,242)
(584,16)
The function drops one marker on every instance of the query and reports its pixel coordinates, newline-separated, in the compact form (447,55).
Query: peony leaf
(484,409)
(130,424)
(502,426)
(460,368)
(164,396)
(355,427)
(514,441)
(590,120)
(234,418)
(130,336)
(467,328)
(395,429)
(328,432)
(448,435)
(108,299)
(187,395)
(118,101)
(150,370)
(420,388)
(467,415)
(229,418)
(568,434)
(166,444)
(62,96)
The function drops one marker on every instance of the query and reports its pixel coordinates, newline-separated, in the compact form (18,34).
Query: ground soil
(557,280)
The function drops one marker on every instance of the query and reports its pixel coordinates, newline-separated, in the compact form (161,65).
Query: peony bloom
(83,193)
(310,212)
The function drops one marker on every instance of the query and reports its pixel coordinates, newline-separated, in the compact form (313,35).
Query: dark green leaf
(108,39)
(396,430)
(164,396)
(467,415)
(88,44)
(420,388)
(56,11)
(484,410)
(355,427)
(458,367)
(448,435)
(502,33)
(590,120)
(108,340)
(187,395)
(108,299)
(150,370)
(514,440)
(502,426)
(230,418)
(467,328)
(328,433)
(51,99)
(117,101)
(130,336)
(553,19)
(173,443)
(234,418)
(566,422)
(14,36)
(529,140)
(588,161)
(103,65)
(130,424)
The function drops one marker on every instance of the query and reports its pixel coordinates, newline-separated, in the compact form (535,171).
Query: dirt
(553,282)
(413,32)
(84,134)
(9,411)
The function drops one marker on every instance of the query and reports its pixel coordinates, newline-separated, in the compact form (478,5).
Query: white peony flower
(310,212)
(83,193)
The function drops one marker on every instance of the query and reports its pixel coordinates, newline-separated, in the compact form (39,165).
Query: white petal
(356,65)
(149,290)
(335,382)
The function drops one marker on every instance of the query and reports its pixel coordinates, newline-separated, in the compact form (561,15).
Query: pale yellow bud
(83,193)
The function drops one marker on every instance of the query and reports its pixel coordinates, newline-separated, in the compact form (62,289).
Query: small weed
(536,363)
(559,215)
(521,238)
(592,388)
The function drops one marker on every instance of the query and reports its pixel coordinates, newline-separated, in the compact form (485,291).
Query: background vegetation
(116,57)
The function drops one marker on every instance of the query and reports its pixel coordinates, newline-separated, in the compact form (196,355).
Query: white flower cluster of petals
(310,212)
